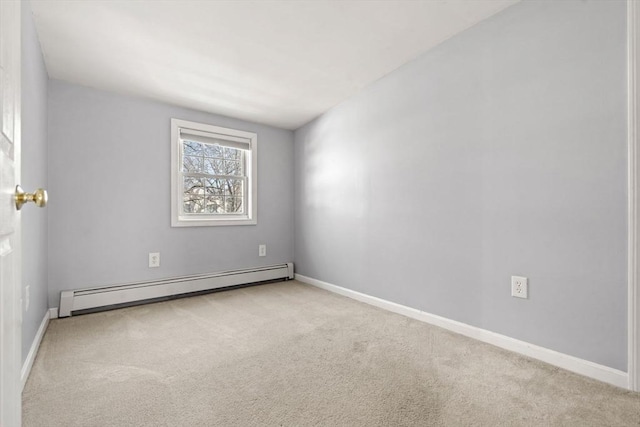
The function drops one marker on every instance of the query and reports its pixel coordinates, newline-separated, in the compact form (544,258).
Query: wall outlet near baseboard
(262,250)
(154,259)
(519,287)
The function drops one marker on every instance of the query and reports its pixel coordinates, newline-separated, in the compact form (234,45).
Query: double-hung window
(213,178)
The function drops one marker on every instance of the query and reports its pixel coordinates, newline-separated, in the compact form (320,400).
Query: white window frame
(178,217)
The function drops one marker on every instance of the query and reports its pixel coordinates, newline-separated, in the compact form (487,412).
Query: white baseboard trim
(552,357)
(33,351)
(53,313)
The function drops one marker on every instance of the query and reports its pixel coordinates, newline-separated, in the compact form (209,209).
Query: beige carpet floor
(287,354)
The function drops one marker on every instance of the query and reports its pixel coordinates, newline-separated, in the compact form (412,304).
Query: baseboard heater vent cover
(83,299)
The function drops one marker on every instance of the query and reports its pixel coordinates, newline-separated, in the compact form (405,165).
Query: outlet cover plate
(154,259)
(519,287)
(262,250)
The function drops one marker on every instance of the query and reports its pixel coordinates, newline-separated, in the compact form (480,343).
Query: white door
(10,304)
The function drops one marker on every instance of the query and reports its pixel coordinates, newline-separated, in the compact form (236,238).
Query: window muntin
(213,175)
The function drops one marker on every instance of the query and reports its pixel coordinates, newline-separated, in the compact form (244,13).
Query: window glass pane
(214,166)
(232,153)
(193,204)
(188,206)
(192,148)
(191,164)
(193,186)
(233,204)
(233,187)
(233,167)
(214,186)
(214,204)
(211,150)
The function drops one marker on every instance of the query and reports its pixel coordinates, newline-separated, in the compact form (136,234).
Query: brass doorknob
(39,197)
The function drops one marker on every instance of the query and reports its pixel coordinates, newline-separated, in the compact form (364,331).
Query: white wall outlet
(262,250)
(154,259)
(519,287)
(27,298)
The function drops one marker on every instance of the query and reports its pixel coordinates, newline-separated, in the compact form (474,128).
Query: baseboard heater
(104,296)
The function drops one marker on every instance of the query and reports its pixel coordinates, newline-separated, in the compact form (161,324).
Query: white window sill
(211,222)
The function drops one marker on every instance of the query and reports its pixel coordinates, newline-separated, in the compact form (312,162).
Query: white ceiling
(276,62)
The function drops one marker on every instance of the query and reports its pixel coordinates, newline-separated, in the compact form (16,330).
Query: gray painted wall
(110,194)
(501,152)
(34,175)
